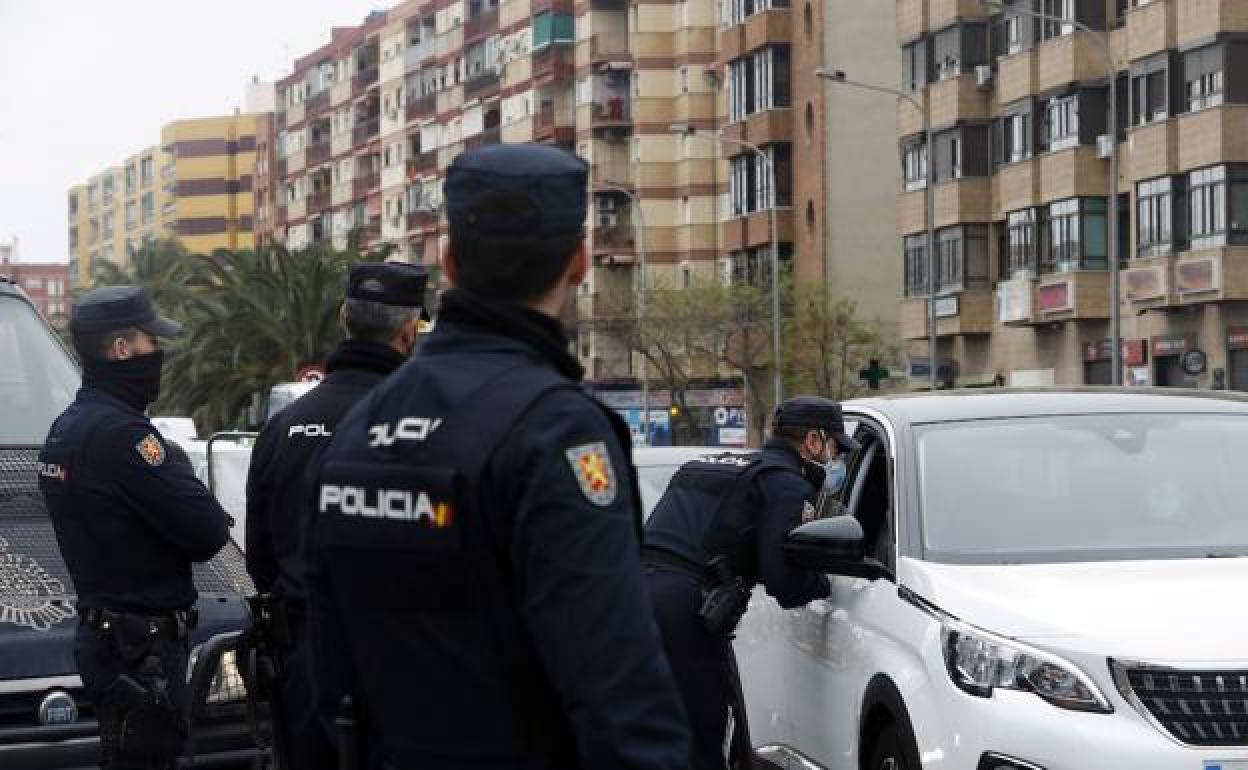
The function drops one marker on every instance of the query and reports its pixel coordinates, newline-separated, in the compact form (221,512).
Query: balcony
(962,313)
(963,200)
(1016,76)
(480,25)
(422,221)
(318,201)
(365,131)
(553,62)
(911,20)
(422,164)
(766,127)
(488,136)
(611,113)
(753,230)
(610,51)
(422,107)
(317,103)
(910,120)
(616,243)
(1213,135)
(1147,283)
(548,126)
(1154,150)
(957,100)
(367,183)
(1073,58)
(1212,275)
(1205,19)
(942,13)
(481,85)
(760,29)
(1071,173)
(1017,186)
(1151,29)
(1073,296)
(363,79)
(317,153)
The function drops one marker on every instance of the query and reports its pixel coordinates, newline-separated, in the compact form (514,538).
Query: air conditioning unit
(1105,146)
(983,75)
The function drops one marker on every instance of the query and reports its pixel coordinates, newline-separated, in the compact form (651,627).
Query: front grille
(21,709)
(1199,708)
(19,483)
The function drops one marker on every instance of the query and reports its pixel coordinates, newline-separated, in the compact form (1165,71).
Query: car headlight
(979,662)
(227,684)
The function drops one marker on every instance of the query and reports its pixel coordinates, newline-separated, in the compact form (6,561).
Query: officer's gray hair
(374,321)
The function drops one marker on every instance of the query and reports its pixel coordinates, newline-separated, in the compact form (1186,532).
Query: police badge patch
(151,450)
(592,467)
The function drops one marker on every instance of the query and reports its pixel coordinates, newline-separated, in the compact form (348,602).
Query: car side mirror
(833,545)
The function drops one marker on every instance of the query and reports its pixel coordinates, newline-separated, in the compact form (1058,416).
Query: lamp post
(1115,289)
(769,169)
(641,288)
(929,199)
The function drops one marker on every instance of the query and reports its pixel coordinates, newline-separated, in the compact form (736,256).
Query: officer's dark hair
(369,321)
(794,434)
(511,267)
(95,346)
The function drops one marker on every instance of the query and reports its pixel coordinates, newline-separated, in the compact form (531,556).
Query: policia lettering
(394,504)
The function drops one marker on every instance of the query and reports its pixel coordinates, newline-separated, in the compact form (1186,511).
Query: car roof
(651,456)
(980,404)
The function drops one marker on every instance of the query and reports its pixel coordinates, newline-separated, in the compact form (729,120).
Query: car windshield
(1084,488)
(37,377)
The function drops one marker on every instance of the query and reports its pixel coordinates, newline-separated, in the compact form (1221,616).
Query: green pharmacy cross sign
(873,374)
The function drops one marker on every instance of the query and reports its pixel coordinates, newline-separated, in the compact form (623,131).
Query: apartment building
(46,283)
(1020,174)
(196,185)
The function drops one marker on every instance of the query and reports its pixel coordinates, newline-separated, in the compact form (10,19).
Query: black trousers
(103,657)
(304,738)
(703,666)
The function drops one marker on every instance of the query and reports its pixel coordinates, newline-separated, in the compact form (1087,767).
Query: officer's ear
(578,268)
(446,258)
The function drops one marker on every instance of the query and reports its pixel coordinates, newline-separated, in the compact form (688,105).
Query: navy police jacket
(776,496)
(277,502)
(129,513)
(476,584)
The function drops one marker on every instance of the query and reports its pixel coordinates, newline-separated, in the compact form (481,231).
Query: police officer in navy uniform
(717,531)
(381,318)
(131,518)
(477,590)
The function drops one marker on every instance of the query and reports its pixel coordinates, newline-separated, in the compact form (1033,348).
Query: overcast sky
(85,83)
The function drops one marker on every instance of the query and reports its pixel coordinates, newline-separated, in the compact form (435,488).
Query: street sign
(873,374)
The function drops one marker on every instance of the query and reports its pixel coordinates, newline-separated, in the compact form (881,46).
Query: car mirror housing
(832,545)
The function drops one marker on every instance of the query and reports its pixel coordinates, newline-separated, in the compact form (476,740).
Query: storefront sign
(1144,283)
(1237,338)
(1014,301)
(1055,297)
(947,307)
(1173,345)
(1197,276)
(1134,352)
(1137,376)
(1194,362)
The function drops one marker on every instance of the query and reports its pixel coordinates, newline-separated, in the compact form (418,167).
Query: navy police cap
(389,283)
(554,180)
(111,308)
(815,412)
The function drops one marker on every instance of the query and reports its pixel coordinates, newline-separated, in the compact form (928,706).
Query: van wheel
(894,749)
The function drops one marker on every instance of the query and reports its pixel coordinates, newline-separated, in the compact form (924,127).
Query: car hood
(1176,610)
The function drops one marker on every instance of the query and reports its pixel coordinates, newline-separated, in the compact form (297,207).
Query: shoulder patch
(591,464)
(151,450)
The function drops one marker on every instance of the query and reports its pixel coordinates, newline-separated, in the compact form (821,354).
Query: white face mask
(834,472)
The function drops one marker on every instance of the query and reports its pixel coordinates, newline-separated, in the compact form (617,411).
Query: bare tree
(830,345)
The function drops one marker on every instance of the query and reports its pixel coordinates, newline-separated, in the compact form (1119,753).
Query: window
(1014,135)
(914,165)
(1062,9)
(1077,236)
(131,215)
(914,65)
(132,178)
(752,267)
(915,250)
(1021,240)
(1207,207)
(1154,217)
(742,183)
(1061,122)
(759,81)
(962,257)
(1203,77)
(958,49)
(1015,31)
(1150,101)
(147,171)
(108,225)
(553,28)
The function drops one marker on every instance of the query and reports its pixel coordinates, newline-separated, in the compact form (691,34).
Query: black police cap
(552,179)
(120,307)
(818,413)
(390,283)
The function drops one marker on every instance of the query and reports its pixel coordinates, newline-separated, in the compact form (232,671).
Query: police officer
(131,518)
(478,590)
(381,318)
(716,532)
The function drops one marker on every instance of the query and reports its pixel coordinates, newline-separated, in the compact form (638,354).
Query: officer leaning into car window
(131,518)
(381,318)
(475,581)
(716,532)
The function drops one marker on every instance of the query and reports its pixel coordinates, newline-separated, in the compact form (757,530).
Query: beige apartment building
(115,211)
(1022,131)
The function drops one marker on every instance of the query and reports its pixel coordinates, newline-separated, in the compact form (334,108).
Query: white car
(1048,580)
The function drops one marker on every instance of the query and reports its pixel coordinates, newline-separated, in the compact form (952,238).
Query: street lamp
(929,198)
(1115,290)
(643,284)
(687,130)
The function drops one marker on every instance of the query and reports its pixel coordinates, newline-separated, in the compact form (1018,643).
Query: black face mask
(135,381)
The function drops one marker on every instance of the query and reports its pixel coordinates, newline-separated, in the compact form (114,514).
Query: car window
(870,497)
(1084,487)
(37,377)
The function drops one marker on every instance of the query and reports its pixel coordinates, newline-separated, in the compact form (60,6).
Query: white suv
(1045,580)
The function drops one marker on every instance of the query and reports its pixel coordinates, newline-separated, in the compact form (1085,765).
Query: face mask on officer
(131,370)
(817,452)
